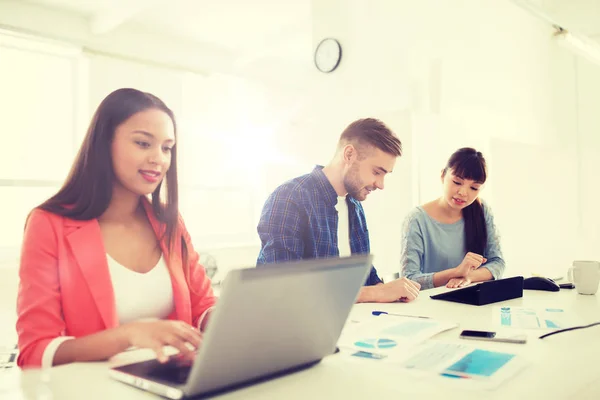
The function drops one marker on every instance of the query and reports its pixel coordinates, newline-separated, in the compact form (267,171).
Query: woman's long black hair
(87,192)
(468,163)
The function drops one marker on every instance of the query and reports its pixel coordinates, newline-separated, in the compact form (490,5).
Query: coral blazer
(65,286)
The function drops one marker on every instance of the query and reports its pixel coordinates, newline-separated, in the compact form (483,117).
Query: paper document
(385,333)
(485,369)
(530,318)
(460,365)
(457,360)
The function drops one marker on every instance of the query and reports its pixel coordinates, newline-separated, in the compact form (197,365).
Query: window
(38,103)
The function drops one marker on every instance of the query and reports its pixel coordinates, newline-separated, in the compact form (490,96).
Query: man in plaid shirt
(319,215)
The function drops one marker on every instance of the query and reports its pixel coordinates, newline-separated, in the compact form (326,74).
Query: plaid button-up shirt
(299,221)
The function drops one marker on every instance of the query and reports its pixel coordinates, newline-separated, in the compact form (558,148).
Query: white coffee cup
(585,275)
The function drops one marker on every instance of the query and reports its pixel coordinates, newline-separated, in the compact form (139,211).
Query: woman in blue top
(452,240)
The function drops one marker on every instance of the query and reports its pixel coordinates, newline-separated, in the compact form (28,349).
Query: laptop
(269,321)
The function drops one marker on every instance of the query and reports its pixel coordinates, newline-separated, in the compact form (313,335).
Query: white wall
(588,90)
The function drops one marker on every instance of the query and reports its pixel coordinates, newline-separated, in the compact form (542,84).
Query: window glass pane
(37,124)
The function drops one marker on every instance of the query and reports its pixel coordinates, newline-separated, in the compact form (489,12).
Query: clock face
(328,55)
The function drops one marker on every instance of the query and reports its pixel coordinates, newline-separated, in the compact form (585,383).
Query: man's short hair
(368,132)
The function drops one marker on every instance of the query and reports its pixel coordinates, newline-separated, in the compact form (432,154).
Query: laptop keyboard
(176,370)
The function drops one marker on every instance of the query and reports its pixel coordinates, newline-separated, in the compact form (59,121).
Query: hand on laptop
(156,334)
(402,289)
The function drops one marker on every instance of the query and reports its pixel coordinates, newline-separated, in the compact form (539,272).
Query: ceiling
(258,29)
(581,16)
(250,29)
(257,38)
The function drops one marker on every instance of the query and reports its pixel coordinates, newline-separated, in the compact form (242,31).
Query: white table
(564,366)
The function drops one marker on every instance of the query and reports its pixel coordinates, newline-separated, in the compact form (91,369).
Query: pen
(398,315)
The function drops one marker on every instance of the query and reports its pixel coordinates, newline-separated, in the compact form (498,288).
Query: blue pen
(399,315)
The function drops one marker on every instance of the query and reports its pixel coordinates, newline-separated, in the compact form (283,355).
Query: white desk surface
(564,366)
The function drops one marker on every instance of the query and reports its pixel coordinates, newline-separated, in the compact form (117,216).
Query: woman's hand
(458,282)
(471,262)
(156,334)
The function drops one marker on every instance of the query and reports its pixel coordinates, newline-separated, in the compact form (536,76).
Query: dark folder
(485,292)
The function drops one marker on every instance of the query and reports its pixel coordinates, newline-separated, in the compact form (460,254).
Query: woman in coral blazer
(103,266)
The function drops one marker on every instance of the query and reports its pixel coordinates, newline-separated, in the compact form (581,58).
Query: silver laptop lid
(274,318)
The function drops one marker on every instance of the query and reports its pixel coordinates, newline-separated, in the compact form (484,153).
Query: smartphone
(493,336)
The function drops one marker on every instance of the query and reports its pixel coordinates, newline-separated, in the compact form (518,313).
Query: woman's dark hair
(87,191)
(468,163)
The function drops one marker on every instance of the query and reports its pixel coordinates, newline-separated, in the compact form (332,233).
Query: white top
(343,232)
(137,295)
